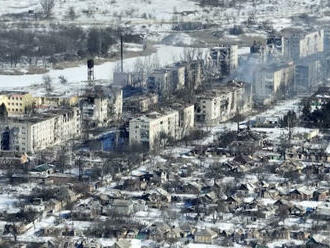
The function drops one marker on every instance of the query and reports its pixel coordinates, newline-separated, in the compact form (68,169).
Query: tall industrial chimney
(90,70)
(121,54)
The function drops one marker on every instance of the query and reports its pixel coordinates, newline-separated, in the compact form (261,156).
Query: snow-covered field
(164,55)
(100,12)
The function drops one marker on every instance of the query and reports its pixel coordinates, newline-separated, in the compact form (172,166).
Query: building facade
(222,103)
(17,102)
(273,80)
(299,44)
(147,130)
(225,59)
(35,133)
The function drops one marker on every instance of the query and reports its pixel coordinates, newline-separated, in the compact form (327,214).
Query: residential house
(205,236)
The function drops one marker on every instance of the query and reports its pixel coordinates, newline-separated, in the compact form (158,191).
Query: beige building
(141,103)
(205,236)
(176,122)
(16,102)
(148,129)
(222,103)
(31,134)
(55,101)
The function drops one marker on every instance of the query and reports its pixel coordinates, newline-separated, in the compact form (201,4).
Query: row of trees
(319,117)
(64,43)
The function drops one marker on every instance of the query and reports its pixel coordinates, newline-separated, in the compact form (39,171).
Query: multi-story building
(55,101)
(141,103)
(299,44)
(186,118)
(272,80)
(177,76)
(102,105)
(222,103)
(159,81)
(39,131)
(17,102)
(225,59)
(135,79)
(308,74)
(148,129)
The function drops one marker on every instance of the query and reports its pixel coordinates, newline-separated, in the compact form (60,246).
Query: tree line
(60,43)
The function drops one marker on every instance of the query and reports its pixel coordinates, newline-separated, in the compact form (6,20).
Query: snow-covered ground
(154,12)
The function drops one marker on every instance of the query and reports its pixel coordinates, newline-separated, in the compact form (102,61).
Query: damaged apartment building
(272,80)
(225,59)
(140,103)
(16,102)
(100,105)
(149,129)
(180,75)
(35,132)
(222,103)
(306,48)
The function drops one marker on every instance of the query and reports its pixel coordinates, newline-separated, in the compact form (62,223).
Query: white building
(99,107)
(149,129)
(31,134)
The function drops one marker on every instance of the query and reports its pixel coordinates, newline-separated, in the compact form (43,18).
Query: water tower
(90,70)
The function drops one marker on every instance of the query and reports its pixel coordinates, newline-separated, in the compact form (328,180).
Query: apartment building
(177,76)
(101,105)
(299,44)
(273,80)
(186,118)
(148,129)
(225,59)
(135,79)
(55,101)
(141,103)
(16,102)
(159,81)
(39,131)
(308,74)
(222,103)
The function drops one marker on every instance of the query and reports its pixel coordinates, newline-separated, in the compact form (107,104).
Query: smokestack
(122,53)
(90,70)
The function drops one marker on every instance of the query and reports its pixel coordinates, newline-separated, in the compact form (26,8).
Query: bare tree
(47,83)
(71,14)
(62,79)
(47,7)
